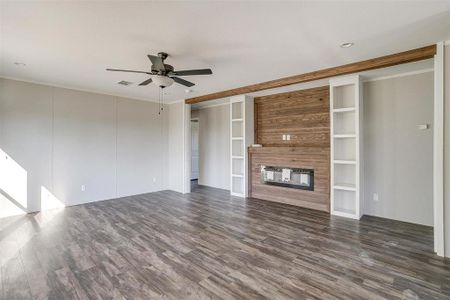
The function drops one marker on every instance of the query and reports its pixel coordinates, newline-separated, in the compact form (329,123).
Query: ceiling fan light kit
(162,81)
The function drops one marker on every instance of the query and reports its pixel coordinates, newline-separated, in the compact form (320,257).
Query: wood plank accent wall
(295,157)
(305,115)
(365,65)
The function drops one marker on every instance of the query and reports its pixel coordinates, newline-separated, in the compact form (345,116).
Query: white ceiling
(70,44)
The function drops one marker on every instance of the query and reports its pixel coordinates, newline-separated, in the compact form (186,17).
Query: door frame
(438,152)
(190,124)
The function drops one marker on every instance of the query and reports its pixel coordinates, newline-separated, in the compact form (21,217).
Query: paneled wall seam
(52,138)
(67,139)
(161,138)
(116,100)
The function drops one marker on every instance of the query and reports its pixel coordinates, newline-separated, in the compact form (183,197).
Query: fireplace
(297,178)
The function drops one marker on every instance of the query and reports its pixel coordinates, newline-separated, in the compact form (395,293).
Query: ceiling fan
(163,74)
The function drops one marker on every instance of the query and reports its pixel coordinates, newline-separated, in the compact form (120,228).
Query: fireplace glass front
(297,178)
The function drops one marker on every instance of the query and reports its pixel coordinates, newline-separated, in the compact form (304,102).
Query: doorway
(194,150)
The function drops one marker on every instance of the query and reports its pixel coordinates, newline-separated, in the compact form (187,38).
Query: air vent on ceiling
(125,83)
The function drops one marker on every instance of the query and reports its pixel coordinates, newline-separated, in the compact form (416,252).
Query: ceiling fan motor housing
(168,69)
(163,55)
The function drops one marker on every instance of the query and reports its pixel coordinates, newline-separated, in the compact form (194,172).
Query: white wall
(64,139)
(447,149)
(139,137)
(26,135)
(398,157)
(214,146)
(84,146)
(178,141)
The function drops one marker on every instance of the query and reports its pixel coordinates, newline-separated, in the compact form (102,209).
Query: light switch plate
(375,197)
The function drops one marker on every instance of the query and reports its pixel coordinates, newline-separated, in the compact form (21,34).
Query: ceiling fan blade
(183,82)
(157,62)
(131,71)
(193,72)
(146,82)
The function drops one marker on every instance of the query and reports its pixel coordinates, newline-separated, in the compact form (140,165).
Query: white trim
(79,89)
(344,80)
(186,148)
(345,109)
(210,105)
(399,75)
(345,215)
(176,101)
(438,151)
(446,43)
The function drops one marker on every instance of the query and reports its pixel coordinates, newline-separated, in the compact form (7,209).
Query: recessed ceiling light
(125,83)
(19,64)
(188,91)
(346,45)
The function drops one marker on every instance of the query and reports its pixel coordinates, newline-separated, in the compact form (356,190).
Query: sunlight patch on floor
(13,187)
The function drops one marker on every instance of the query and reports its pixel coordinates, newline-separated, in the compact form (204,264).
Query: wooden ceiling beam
(370,64)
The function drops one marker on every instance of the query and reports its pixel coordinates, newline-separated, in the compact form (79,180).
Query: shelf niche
(241,137)
(345,121)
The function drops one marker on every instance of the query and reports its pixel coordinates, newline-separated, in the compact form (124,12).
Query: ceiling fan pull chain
(162,98)
(159,103)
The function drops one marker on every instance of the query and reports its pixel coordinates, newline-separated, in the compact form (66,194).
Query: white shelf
(346,213)
(344,162)
(241,137)
(345,115)
(344,136)
(344,109)
(345,187)
(237,194)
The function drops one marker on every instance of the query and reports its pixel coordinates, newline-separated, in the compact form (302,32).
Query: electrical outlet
(375,197)
(284,137)
(154,179)
(288,137)
(83,188)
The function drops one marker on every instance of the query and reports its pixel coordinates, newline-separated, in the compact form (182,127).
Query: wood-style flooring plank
(209,245)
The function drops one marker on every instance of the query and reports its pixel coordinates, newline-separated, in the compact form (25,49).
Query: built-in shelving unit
(241,128)
(345,120)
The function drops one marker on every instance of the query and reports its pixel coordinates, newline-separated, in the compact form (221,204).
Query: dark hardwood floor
(210,245)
